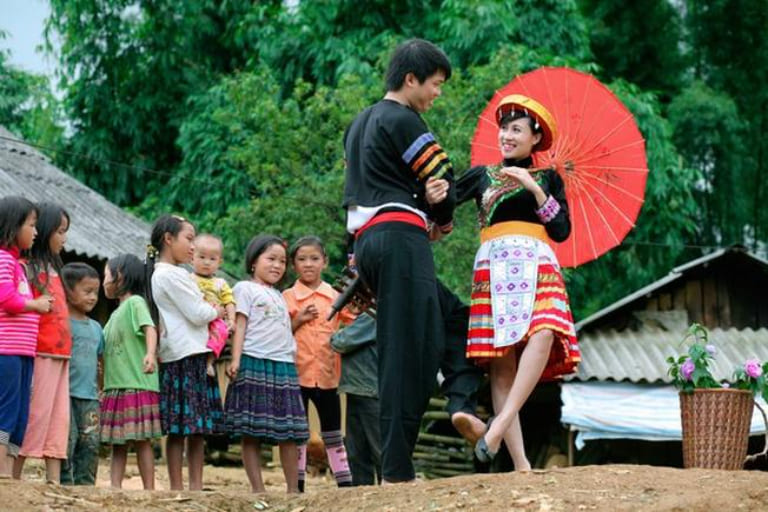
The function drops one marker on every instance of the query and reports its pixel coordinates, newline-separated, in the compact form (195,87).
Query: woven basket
(715,427)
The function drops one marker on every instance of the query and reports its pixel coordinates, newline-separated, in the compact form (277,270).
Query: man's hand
(436,190)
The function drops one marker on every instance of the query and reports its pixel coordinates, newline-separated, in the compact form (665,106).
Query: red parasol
(599,152)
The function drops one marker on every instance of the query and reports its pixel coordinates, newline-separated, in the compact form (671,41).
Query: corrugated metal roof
(673,275)
(98,229)
(641,355)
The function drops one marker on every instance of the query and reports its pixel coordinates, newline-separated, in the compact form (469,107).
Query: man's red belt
(406,217)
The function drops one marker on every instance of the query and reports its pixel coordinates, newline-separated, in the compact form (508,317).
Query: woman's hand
(524,178)
(436,190)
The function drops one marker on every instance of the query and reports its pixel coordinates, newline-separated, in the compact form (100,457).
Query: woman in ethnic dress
(520,320)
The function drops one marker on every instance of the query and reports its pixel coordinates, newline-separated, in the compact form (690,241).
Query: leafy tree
(709,133)
(27,106)
(731,55)
(639,42)
(130,69)
(127,69)
(321,41)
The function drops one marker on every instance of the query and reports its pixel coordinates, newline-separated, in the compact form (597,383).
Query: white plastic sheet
(624,410)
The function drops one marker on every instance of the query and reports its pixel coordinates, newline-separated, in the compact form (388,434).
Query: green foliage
(692,371)
(638,41)
(730,51)
(321,41)
(127,69)
(27,106)
(709,132)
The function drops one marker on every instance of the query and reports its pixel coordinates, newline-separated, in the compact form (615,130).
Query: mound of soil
(608,488)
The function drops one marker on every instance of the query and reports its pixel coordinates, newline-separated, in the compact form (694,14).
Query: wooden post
(571,448)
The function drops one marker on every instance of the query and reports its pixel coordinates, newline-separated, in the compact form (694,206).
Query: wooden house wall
(729,292)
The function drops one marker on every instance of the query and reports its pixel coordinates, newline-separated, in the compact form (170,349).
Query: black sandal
(482,452)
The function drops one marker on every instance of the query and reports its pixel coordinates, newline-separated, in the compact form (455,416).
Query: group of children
(158,350)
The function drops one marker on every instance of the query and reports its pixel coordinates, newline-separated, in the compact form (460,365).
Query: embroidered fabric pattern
(500,189)
(548,210)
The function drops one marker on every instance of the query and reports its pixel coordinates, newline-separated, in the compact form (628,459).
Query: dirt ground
(587,488)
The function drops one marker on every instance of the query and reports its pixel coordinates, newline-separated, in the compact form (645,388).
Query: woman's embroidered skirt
(518,290)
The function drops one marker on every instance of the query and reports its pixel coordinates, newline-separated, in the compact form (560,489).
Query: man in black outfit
(392,160)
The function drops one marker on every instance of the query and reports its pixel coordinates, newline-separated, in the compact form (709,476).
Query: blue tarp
(623,410)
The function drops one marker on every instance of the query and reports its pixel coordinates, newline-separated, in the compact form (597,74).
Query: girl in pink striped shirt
(47,431)
(19,319)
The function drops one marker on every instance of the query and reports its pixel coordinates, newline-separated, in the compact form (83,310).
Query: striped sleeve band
(426,158)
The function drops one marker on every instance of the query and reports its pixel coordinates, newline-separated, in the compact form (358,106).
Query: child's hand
(220,311)
(233,368)
(149,363)
(308,313)
(43,304)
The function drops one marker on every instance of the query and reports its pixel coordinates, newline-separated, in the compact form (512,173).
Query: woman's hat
(534,109)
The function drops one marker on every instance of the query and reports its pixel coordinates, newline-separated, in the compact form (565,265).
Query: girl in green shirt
(130,411)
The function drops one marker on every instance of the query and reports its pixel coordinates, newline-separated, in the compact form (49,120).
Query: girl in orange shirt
(309,302)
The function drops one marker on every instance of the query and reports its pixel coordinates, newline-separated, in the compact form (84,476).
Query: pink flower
(686,369)
(752,368)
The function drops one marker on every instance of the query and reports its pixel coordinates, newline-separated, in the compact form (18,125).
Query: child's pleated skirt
(190,402)
(130,415)
(265,402)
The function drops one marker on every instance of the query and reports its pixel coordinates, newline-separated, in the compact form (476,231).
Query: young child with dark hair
(19,323)
(190,403)
(81,282)
(216,291)
(309,302)
(357,345)
(47,431)
(131,409)
(264,401)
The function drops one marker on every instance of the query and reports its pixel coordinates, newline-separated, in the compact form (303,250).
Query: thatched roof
(99,229)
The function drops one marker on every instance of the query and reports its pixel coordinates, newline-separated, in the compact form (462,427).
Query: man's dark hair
(419,57)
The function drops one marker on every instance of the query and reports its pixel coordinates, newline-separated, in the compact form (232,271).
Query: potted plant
(715,416)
